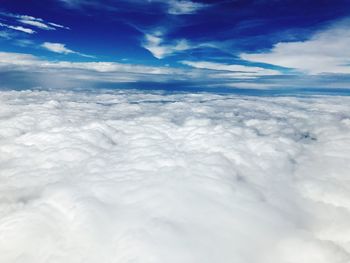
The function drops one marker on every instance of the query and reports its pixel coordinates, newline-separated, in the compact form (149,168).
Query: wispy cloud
(18,28)
(57,25)
(61,48)
(5,35)
(20,59)
(57,48)
(173,7)
(33,21)
(154,43)
(36,23)
(183,7)
(326,51)
(239,71)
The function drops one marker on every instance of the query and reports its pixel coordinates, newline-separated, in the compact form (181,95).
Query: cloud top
(147,177)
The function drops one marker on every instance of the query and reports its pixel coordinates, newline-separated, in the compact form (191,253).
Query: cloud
(18,28)
(33,21)
(5,35)
(173,7)
(22,70)
(154,44)
(327,51)
(81,73)
(183,7)
(61,48)
(57,48)
(37,24)
(57,25)
(238,70)
(151,177)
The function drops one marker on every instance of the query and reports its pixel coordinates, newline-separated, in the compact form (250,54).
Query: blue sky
(233,44)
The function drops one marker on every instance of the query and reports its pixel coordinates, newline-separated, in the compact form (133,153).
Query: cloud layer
(19,70)
(146,177)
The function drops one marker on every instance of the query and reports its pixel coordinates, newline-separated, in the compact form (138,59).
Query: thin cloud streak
(19,28)
(62,49)
(33,21)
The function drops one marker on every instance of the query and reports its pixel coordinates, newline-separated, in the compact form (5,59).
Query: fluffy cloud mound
(125,176)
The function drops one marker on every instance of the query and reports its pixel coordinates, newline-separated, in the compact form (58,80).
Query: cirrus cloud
(61,48)
(18,28)
(154,43)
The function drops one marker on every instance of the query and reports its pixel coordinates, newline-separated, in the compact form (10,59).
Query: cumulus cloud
(325,52)
(154,43)
(61,48)
(18,28)
(146,177)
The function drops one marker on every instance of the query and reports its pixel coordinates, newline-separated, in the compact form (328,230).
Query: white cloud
(144,177)
(58,25)
(33,21)
(182,7)
(326,51)
(37,24)
(113,72)
(57,48)
(61,48)
(237,70)
(30,60)
(18,28)
(154,44)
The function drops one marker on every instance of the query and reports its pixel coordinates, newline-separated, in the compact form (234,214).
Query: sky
(172,44)
(102,158)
